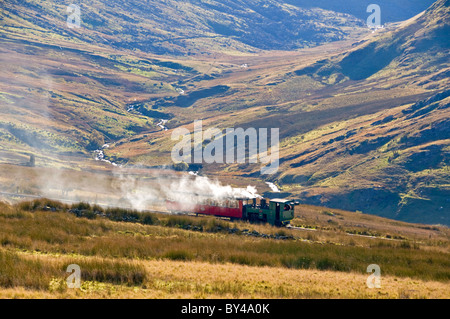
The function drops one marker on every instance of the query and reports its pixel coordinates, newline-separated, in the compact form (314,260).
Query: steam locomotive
(277,212)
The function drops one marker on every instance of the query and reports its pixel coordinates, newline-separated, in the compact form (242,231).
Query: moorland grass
(34,273)
(63,233)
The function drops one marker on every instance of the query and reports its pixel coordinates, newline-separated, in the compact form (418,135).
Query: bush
(241,260)
(148,219)
(81,206)
(89,214)
(332,264)
(114,272)
(216,225)
(179,255)
(327,213)
(98,209)
(178,221)
(122,214)
(41,204)
(297,263)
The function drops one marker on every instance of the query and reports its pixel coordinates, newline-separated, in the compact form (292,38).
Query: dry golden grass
(133,260)
(163,260)
(154,236)
(175,279)
(333,222)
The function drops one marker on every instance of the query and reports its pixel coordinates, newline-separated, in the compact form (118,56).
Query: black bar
(212,308)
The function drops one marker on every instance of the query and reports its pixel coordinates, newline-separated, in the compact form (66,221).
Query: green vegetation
(183,255)
(18,270)
(51,229)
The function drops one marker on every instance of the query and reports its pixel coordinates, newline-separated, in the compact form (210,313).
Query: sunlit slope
(391,11)
(187,27)
(415,49)
(379,142)
(66,91)
(71,100)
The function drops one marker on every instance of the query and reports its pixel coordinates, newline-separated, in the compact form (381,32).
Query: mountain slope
(415,48)
(355,143)
(185,27)
(61,88)
(394,162)
(391,11)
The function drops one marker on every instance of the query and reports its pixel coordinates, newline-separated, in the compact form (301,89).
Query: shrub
(148,219)
(116,272)
(240,259)
(81,206)
(297,263)
(122,214)
(327,213)
(179,255)
(41,204)
(332,264)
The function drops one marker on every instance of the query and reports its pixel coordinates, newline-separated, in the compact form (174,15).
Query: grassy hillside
(390,10)
(66,91)
(363,130)
(394,162)
(418,45)
(184,27)
(134,255)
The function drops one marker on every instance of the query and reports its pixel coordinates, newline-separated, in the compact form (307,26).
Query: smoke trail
(137,194)
(188,190)
(202,186)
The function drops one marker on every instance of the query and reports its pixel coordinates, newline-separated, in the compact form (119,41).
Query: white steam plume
(188,190)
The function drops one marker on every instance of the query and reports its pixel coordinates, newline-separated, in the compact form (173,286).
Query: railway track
(19,195)
(69,201)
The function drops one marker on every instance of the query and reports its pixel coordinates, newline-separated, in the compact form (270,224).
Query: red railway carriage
(276,212)
(228,208)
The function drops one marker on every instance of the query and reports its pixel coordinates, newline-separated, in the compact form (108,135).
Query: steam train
(277,212)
